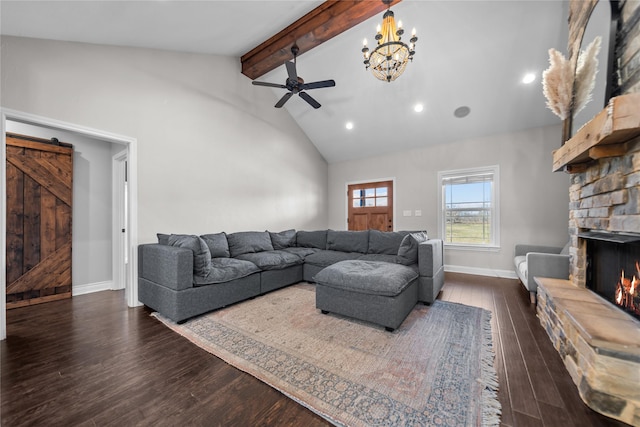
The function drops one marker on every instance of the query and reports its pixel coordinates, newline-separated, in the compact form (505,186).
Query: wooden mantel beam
(321,24)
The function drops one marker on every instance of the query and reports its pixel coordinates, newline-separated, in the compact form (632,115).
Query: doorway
(370,206)
(120,215)
(130,144)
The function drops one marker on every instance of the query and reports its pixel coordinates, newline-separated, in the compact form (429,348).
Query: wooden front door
(370,206)
(39,192)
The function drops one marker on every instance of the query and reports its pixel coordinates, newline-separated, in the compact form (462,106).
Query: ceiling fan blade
(309,99)
(317,85)
(269,84)
(291,70)
(284,99)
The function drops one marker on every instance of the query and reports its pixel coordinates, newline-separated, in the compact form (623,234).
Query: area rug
(435,369)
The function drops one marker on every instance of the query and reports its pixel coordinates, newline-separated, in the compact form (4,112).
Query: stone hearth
(599,344)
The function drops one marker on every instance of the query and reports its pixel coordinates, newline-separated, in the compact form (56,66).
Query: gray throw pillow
(201,254)
(408,251)
(163,239)
(385,242)
(247,242)
(218,245)
(283,239)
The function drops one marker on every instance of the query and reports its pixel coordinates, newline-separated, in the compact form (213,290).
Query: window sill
(484,248)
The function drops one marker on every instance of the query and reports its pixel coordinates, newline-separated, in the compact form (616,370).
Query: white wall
(92,211)
(213,153)
(534,201)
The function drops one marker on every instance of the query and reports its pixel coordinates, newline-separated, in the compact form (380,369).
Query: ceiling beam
(321,24)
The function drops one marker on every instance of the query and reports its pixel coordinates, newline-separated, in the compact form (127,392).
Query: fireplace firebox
(613,268)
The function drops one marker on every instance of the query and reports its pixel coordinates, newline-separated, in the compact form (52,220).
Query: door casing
(131,291)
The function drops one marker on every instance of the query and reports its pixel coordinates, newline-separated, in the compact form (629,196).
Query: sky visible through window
(476,192)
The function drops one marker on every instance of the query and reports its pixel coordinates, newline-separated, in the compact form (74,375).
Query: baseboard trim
(88,288)
(504,274)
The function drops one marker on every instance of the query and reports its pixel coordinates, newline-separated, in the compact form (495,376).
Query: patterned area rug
(435,369)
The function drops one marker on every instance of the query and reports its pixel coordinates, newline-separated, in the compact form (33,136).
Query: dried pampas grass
(557,84)
(586,71)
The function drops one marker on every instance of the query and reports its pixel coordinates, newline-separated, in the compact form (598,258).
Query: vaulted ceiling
(469,53)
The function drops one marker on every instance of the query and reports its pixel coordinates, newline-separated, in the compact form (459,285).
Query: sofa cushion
(225,270)
(272,260)
(326,258)
(408,251)
(312,239)
(367,277)
(379,257)
(302,252)
(246,242)
(218,245)
(283,239)
(385,242)
(521,266)
(201,254)
(348,241)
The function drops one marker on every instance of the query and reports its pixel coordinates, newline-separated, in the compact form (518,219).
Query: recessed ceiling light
(529,78)
(418,108)
(461,112)
(349,125)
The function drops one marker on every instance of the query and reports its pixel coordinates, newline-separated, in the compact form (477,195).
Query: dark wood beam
(321,24)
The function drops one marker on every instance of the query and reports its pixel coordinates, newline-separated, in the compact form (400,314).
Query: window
(369,197)
(469,207)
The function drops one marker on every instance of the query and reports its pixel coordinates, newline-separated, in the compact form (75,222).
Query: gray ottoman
(379,292)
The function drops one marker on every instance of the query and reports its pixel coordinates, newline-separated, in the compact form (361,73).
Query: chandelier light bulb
(364,42)
(413,32)
(378,29)
(399,24)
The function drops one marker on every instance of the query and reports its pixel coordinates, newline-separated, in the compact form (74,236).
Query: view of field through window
(467,206)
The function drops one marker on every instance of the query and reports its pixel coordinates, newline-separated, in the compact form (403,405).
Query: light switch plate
(418,212)
(406,213)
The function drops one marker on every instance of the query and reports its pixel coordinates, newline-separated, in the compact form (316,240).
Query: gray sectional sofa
(183,276)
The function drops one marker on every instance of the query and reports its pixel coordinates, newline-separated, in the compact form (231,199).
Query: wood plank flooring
(91,361)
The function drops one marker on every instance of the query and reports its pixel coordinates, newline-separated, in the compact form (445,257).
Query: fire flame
(619,295)
(626,294)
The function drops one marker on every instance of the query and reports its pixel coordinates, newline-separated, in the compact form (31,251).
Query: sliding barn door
(39,190)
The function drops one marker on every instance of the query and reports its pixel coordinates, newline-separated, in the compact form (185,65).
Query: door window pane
(381,192)
(381,201)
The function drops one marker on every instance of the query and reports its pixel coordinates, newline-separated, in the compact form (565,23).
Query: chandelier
(389,59)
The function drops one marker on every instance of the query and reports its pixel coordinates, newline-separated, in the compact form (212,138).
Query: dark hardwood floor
(91,361)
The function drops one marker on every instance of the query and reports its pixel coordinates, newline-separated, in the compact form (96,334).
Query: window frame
(494,170)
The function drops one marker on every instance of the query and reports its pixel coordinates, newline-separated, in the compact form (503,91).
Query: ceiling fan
(295,84)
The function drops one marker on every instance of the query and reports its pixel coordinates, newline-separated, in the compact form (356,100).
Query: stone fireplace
(597,338)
